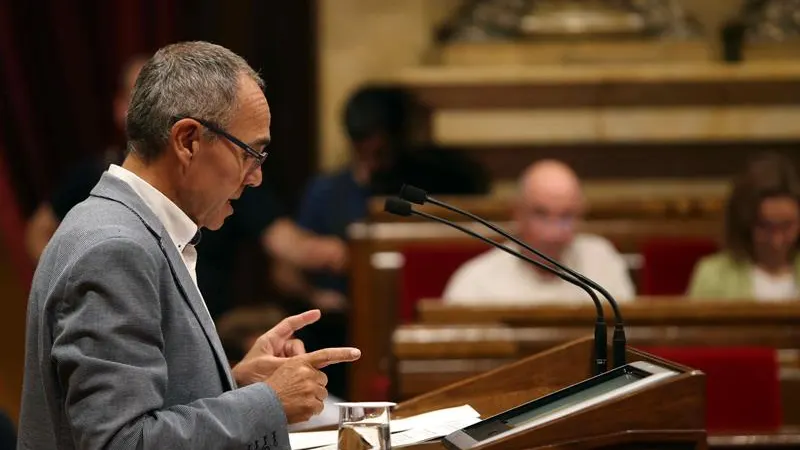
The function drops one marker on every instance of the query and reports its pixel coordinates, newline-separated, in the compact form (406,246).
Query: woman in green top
(762,219)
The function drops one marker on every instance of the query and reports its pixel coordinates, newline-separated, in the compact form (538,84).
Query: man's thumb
(328,356)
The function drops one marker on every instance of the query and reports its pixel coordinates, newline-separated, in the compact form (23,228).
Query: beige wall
(360,40)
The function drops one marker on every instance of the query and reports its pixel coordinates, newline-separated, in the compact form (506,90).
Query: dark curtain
(61,60)
(60,64)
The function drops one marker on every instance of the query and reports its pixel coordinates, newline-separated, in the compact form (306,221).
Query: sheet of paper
(433,431)
(304,440)
(434,417)
(408,430)
(425,433)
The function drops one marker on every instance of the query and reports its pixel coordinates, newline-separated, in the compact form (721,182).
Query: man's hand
(300,385)
(273,348)
(287,241)
(327,253)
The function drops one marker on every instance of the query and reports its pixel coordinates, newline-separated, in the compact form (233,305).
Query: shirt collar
(179,226)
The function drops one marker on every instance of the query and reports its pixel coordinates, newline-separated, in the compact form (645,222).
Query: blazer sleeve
(111,368)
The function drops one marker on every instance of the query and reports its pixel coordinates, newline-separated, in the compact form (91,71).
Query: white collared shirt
(497,277)
(179,226)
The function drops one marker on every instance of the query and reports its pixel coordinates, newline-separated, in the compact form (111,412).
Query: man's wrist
(240,376)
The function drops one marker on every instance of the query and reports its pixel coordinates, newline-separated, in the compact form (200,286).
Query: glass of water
(364,425)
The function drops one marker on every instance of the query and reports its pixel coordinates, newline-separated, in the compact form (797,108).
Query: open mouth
(233,200)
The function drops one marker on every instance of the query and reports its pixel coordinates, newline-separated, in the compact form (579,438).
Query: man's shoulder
(97,220)
(719,262)
(590,243)
(488,260)
(323,186)
(96,233)
(99,210)
(328,181)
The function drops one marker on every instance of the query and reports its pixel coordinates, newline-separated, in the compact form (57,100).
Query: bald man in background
(549,207)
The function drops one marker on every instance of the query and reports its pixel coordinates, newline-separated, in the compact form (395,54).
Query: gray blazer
(120,351)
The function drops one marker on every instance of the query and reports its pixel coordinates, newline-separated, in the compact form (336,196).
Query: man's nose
(254,178)
(553,231)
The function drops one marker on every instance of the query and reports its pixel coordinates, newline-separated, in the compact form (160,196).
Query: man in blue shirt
(376,120)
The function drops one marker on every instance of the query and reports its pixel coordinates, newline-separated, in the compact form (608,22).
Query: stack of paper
(302,440)
(406,431)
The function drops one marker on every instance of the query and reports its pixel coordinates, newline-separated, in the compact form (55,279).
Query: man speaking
(121,351)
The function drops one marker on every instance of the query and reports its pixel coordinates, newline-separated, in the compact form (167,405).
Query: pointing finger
(289,325)
(327,356)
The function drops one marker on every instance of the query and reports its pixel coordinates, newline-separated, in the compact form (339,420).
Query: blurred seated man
(549,207)
(762,220)
(376,120)
(258,218)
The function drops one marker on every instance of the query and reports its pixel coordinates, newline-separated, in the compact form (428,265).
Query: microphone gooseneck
(403,208)
(619,341)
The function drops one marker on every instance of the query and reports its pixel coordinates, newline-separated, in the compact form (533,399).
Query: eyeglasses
(784,226)
(258,157)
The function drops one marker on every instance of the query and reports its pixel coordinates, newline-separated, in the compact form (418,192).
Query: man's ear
(184,139)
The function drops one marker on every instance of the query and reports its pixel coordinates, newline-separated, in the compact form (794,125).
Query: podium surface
(666,413)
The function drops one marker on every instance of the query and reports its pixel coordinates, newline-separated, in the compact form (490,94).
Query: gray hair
(196,79)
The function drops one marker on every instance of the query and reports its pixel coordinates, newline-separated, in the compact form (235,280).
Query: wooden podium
(669,414)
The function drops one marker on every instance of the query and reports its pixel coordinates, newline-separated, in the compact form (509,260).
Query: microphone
(401,207)
(619,341)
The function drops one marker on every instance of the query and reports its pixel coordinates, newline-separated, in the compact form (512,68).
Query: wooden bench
(377,261)
(453,343)
(619,201)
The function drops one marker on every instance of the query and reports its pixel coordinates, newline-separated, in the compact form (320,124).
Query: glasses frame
(258,157)
(564,223)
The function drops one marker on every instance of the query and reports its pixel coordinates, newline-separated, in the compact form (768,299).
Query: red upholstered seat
(742,385)
(668,264)
(426,270)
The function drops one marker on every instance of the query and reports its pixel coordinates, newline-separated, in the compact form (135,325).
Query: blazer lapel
(197,304)
(112,188)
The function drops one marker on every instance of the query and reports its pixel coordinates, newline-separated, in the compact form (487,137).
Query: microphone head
(413,194)
(397,207)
